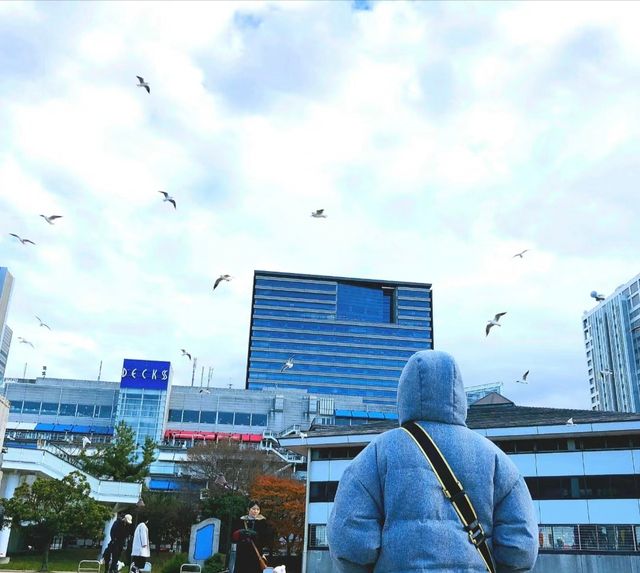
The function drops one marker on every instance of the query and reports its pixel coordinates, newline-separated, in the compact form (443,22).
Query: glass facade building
(344,336)
(612,341)
(6,286)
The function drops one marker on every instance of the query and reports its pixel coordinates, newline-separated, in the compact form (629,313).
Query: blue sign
(147,374)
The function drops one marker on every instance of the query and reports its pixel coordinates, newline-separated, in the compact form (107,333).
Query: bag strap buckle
(476,533)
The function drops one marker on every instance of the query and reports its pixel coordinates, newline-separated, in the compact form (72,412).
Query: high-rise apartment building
(335,335)
(612,339)
(6,286)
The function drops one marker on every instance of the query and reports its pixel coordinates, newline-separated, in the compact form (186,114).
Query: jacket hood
(431,390)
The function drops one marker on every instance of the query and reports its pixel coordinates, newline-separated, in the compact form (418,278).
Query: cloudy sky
(441,138)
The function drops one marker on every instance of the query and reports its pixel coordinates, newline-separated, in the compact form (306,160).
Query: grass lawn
(68,559)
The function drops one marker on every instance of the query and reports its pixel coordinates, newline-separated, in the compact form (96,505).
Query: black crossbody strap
(453,491)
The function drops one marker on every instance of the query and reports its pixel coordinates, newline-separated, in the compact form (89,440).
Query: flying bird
(23,241)
(493,322)
(287,365)
(143,84)
(520,254)
(318,214)
(51,218)
(524,378)
(599,297)
(569,422)
(25,341)
(43,323)
(168,198)
(204,391)
(85,442)
(185,353)
(220,279)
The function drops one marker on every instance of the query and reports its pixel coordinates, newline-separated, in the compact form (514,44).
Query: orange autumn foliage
(282,503)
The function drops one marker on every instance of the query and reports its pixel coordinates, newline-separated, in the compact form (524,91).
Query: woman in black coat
(252,533)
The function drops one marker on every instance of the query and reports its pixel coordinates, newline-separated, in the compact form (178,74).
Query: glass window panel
(49,408)
(294,314)
(175,415)
(67,410)
(225,418)
(263,293)
(328,305)
(85,410)
(190,416)
(207,417)
(31,407)
(16,406)
(242,419)
(293,284)
(258,420)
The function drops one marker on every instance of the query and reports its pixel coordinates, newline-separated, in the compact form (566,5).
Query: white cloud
(440,141)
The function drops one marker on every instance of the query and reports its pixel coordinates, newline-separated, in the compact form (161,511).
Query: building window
(85,410)
(31,408)
(104,411)
(190,416)
(322,491)
(49,408)
(67,409)
(242,419)
(225,418)
(16,406)
(208,417)
(175,415)
(318,536)
(258,419)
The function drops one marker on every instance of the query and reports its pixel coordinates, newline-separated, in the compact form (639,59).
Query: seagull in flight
(220,279)
(599,297)
(23,241)
(168,198)
(143,84)
(204,391)
(524,378)
(287,365)
(494,322)
(43,323)
(520,254)
(85,442)
(318,214)
(569,422)
(185,353)
(25,341)
(51,218)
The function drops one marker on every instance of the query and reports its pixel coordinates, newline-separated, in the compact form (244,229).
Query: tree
(56,507)
(231,465)
(171,516)
(282,503)
(118,459)
(228,507)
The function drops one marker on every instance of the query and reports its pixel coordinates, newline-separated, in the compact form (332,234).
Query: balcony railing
(589,537)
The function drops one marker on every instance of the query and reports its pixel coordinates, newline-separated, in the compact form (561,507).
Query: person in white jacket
(140,550)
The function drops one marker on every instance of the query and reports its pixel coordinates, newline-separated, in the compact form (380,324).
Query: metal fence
(608,538)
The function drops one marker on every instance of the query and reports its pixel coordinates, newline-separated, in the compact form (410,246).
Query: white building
(584,479)
(612,340)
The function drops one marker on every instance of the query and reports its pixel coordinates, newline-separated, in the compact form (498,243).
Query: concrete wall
(319,562)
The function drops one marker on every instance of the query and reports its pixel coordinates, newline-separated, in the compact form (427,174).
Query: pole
(193,371)
(24,372)
(100,371)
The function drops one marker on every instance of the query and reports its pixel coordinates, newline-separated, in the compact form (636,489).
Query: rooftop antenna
(193,372)
(100,371)
(201,377)
(24,372)
(209,376)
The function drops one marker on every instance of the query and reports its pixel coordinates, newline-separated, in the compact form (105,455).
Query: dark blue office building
(345,336)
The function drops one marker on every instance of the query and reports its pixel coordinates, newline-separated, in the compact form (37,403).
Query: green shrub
(173,565)
(215,563)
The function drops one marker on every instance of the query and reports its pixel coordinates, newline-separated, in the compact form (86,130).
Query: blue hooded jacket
(390,514)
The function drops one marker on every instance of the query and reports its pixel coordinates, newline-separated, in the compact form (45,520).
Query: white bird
(23,241)
(569,422)
(204,391)
(524,378)
(606,372)
(168,198)
(520,254)
(185,353)
(287,365)
(318,214)
(43,323)
(220,279)
(85,442)
(143,84)
(303,435)
(599,297)
(25,341)
(493,322)
(51,218)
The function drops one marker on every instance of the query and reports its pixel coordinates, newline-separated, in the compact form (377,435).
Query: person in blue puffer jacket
(390,514)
